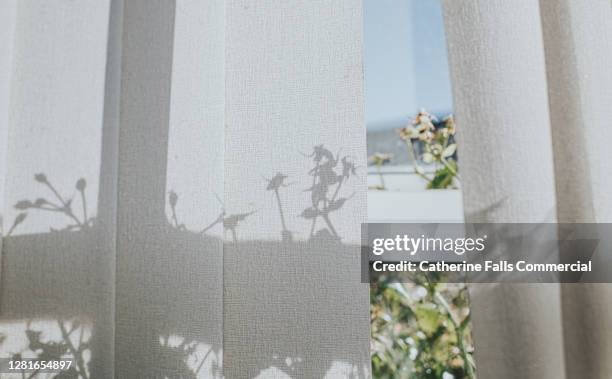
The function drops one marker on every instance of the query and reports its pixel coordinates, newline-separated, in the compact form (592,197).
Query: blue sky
(406,65)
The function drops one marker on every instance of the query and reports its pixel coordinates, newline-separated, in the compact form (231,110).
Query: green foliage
(443,177)
(420,330)
(379,160)
(437,145)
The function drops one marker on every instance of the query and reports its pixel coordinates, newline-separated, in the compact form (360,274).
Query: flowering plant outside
(437,146)
(379,160)
(421,330)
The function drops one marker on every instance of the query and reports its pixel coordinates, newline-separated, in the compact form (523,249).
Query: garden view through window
(419,329)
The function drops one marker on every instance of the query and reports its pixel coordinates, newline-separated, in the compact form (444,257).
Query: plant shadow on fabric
(74,342)
(174,343)
(73,345)
(328,176)
(293,314)
(324,196)
(311,340)
(58,204)
(179,353)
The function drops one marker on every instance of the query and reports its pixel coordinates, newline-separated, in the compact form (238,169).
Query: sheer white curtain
(57,262)
(532,92)
(293,301)
(179,196)
(578,45)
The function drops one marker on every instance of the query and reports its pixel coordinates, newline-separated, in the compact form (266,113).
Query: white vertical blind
(8,11)
(183,186)
(58,262)
(499,87)
(578,45)
(169,274)
(194,173)
(131,97)
(532,93)
(293,304)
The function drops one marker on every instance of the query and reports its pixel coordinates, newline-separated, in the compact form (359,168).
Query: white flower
(413,353)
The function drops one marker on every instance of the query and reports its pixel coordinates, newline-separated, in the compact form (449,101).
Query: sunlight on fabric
(194,177)
(190,358)
(341,369)
(301,197)
(272,372)
(54,153)
(338,369)
(48,339)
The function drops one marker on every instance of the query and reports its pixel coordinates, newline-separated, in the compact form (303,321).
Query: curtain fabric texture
(179,196)
(179,188)
(532,91)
